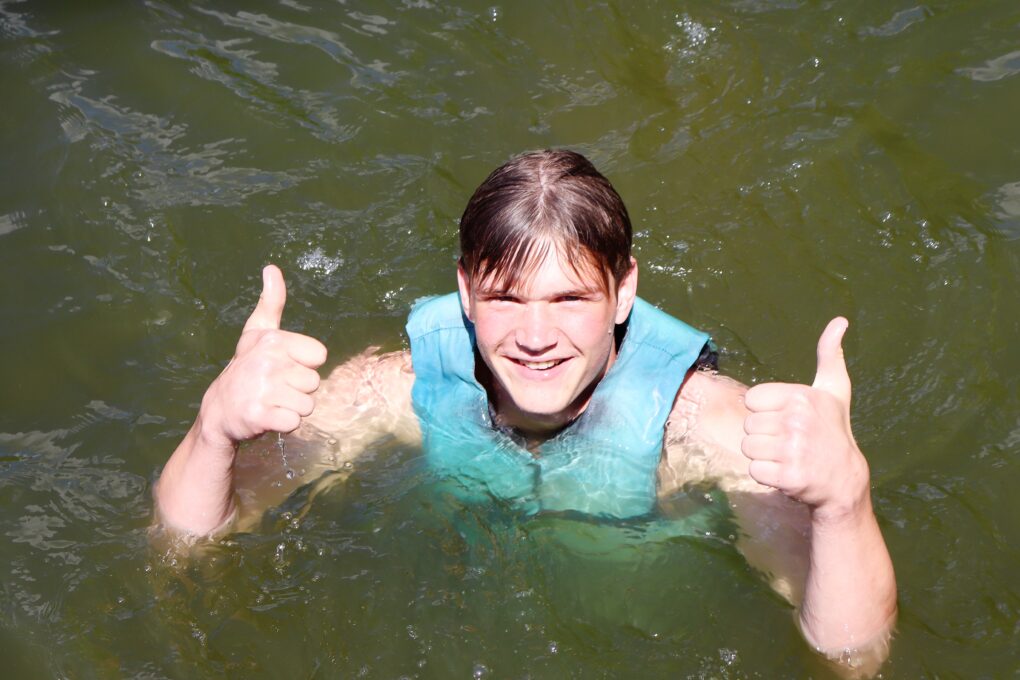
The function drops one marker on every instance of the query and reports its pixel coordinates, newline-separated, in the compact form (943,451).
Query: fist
(798,437)
(269,383)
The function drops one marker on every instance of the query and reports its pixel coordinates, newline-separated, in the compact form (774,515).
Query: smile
(538,365)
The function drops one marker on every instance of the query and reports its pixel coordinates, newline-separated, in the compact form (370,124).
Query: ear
(464,287)
(626,292)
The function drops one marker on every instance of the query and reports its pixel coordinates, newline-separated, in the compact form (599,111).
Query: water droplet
(553,647)
(495,14)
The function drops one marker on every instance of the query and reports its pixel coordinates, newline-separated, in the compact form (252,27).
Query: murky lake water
(783,162)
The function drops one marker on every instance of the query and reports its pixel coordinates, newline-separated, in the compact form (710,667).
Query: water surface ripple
(782,161)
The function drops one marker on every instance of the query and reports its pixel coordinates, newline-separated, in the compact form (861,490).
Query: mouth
(538,365)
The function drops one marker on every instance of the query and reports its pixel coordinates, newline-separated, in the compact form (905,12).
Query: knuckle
(800,401)
(271,338)
(796,426)
(255,412)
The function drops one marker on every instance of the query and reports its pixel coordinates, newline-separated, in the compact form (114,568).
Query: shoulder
(708,406)
(704,432)
(373,370)
(368,386)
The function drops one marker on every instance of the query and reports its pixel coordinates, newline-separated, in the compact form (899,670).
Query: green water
(783,162)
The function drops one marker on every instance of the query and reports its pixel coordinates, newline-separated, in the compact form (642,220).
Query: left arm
(799,486)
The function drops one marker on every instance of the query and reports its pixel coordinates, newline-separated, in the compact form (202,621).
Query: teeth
(539,365)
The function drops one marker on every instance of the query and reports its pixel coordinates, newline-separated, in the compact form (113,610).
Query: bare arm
(799,487)
(363,401)
(272,386)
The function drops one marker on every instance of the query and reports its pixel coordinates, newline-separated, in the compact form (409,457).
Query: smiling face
(547,340)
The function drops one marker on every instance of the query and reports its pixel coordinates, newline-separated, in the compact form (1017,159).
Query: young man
(547,382)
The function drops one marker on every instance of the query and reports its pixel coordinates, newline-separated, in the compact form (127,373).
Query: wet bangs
(510,267)
(552,198)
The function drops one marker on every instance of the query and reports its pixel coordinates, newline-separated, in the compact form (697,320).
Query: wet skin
(546,342)
(784,453)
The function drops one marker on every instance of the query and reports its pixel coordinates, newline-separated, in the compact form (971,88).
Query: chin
(552,408)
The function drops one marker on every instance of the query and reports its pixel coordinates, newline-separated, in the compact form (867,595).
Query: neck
(536,428)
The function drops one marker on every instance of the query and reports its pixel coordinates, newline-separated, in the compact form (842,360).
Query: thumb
(831,375)
(269,310)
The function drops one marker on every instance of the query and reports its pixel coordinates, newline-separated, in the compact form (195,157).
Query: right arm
(206,487)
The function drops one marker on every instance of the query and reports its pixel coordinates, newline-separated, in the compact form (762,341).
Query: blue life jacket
(602,464)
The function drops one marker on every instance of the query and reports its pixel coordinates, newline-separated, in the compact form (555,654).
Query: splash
(318,261)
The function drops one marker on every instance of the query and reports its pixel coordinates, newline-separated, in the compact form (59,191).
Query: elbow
(862,652)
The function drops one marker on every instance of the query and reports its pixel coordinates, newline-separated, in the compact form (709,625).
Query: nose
(537,331)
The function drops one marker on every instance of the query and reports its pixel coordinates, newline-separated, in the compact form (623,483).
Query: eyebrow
(493,291)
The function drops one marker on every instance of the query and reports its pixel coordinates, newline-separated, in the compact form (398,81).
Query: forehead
(549,269)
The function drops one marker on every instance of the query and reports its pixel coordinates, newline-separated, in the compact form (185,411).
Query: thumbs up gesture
(798,437)
(268,385)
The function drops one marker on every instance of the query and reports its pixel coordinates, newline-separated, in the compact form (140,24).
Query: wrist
(852,499)
(209,429)
(846,514)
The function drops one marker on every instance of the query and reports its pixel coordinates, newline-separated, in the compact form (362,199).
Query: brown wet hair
(541,200)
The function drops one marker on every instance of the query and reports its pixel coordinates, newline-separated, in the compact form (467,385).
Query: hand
(799,438)
(268,385)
